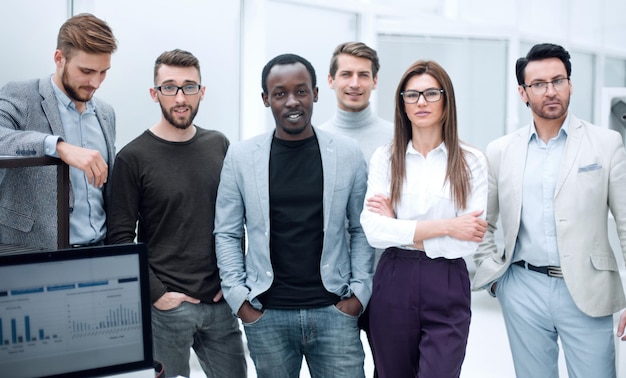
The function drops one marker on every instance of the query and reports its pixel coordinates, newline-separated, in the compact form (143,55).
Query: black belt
(550,271)
(95,244)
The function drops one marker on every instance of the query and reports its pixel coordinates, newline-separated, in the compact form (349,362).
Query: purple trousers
(419,315)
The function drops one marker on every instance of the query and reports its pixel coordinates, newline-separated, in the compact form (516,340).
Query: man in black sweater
(165,185)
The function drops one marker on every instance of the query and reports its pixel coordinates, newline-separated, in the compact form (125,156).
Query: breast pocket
(589,177)
(589,168)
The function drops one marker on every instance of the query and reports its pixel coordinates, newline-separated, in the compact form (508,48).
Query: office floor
(487,356)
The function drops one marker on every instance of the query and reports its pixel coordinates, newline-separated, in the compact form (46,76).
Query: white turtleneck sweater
(367,129)
(364,126)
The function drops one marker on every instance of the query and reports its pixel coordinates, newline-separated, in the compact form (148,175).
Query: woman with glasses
(425,204)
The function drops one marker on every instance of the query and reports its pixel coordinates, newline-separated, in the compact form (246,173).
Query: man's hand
(621,325)
(247,313)
(351,306)
(172,299)
(218,296)
(88,161)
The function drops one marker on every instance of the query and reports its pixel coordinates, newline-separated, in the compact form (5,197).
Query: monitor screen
(75,313)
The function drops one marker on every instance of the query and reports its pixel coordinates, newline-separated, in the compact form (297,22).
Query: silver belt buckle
(555,271)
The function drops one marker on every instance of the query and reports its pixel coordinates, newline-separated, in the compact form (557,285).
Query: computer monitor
(81,312)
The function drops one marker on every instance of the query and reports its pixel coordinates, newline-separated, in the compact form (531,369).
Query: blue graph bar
(18,338)
(27,327)
(13,331)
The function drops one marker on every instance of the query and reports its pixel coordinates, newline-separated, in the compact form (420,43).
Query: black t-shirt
(296,187)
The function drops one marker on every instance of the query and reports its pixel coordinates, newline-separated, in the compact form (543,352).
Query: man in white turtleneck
(353,76)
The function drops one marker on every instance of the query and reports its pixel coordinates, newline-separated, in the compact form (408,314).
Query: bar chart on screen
(56,316)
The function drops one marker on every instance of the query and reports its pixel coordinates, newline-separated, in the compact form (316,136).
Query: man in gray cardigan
(58,116)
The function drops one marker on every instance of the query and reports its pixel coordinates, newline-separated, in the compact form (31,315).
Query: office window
(614,72)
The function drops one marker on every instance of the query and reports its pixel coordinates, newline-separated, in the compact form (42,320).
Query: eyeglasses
(430,95)
(541,87)
(172,90)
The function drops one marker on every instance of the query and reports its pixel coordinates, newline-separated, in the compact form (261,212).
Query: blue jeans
(328,338)
(212,332)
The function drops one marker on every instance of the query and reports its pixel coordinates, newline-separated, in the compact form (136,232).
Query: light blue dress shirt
(537,240)
(87,216)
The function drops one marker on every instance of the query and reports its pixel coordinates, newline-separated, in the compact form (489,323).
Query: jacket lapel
(107,130)
(572,147)
(261,164)
(517,155)
(51,106)
(329,168)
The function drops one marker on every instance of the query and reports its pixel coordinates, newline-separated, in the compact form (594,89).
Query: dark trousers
(419,315)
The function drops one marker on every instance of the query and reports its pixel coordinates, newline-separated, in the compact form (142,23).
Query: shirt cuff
(50,145)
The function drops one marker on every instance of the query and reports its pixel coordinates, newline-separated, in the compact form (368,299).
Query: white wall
(144,30)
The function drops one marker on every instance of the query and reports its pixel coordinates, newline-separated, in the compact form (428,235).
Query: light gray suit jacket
(591,181)
(28,113)
(243,199)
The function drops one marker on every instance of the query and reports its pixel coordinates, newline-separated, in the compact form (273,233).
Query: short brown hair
(357,49)
(85,32)
(176,58)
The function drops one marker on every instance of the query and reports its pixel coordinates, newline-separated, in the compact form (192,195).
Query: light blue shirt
(87,216)
(536,241)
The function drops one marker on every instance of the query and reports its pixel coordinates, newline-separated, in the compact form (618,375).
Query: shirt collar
(412,151)
(563,131)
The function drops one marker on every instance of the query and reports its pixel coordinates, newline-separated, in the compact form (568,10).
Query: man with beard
(58,116)
(307,273)
(554,182)
(165,183)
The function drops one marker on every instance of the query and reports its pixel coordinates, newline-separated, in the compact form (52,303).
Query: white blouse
(424,197)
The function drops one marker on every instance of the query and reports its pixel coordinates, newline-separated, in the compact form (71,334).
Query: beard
(539,110)
(179,123)
(72,92)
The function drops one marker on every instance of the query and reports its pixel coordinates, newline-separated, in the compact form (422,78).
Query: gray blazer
(243,199)
(28,113)
(592,181)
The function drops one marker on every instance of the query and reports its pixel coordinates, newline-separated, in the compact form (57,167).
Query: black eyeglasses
(172,90)
(541,87)
(430,95)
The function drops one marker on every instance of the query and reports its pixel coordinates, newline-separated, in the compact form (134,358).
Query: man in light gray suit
(302,283)
(58,116)
(553,183)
